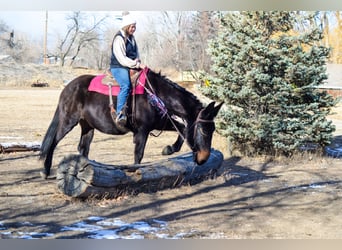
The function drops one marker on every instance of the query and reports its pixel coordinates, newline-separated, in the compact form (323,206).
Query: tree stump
(80,177)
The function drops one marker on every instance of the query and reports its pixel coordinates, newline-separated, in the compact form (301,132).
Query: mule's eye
(201,130)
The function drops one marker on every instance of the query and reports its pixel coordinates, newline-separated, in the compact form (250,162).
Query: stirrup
(121,120)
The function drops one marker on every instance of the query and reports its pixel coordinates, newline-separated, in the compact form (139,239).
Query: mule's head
(201,132)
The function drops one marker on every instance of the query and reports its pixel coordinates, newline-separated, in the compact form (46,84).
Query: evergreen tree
(268,74)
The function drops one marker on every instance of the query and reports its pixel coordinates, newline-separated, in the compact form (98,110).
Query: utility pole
(45,56)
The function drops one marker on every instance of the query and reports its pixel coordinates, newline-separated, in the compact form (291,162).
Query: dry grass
(18,75)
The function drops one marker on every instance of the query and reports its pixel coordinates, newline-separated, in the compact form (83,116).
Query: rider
(125,56)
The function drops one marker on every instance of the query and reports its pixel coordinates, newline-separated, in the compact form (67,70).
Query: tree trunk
(79,177)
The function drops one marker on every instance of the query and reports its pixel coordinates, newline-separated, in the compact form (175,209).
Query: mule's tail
(49,136)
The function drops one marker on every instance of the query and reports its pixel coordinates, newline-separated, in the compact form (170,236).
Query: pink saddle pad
(96,85)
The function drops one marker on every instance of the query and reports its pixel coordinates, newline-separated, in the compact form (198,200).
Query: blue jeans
(121,75)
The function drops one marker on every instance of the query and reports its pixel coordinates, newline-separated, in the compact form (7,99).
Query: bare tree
(18,45)
(330,23)
(179,39)
(166,36)
(326,27)
(204,26)
(5,35)
(337,52)
(80,34)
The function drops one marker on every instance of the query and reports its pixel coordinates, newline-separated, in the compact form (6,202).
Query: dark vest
(131,51)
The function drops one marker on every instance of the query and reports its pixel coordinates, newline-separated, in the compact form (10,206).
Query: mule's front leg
(168,150)
(87,135)
(139,139)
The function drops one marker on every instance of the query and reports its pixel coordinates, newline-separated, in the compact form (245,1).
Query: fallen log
(80,177)
(9,147)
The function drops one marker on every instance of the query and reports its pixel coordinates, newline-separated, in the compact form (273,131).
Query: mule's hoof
(43,175)
(167,150)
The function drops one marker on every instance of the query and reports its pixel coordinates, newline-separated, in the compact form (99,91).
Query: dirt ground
(249,198)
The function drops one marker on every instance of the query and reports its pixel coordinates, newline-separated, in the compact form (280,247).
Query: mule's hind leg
(48,161)
(87,134)
(168,150)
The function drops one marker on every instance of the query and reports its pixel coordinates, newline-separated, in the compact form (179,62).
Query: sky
(32,23)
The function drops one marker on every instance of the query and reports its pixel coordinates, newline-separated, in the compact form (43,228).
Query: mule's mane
(176,86)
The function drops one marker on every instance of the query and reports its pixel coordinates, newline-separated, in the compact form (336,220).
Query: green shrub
(267,73)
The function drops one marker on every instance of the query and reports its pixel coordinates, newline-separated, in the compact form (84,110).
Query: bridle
(172,120)
(196,123)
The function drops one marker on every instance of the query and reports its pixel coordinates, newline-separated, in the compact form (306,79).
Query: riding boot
(121,118)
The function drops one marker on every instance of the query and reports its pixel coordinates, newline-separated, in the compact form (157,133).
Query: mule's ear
(217,109)
(206,112)
(210,106)
(211,111)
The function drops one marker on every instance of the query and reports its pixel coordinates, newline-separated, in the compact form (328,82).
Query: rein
(164,111)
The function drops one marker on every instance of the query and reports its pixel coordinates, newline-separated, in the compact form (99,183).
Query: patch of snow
(103,228)
(316,186)
(81,226)
(95,218)
(11,137)
(33,235)
(22,144)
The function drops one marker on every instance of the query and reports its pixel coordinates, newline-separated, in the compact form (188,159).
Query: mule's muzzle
(201,156)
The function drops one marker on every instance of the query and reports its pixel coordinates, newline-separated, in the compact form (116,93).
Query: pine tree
(267,74)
